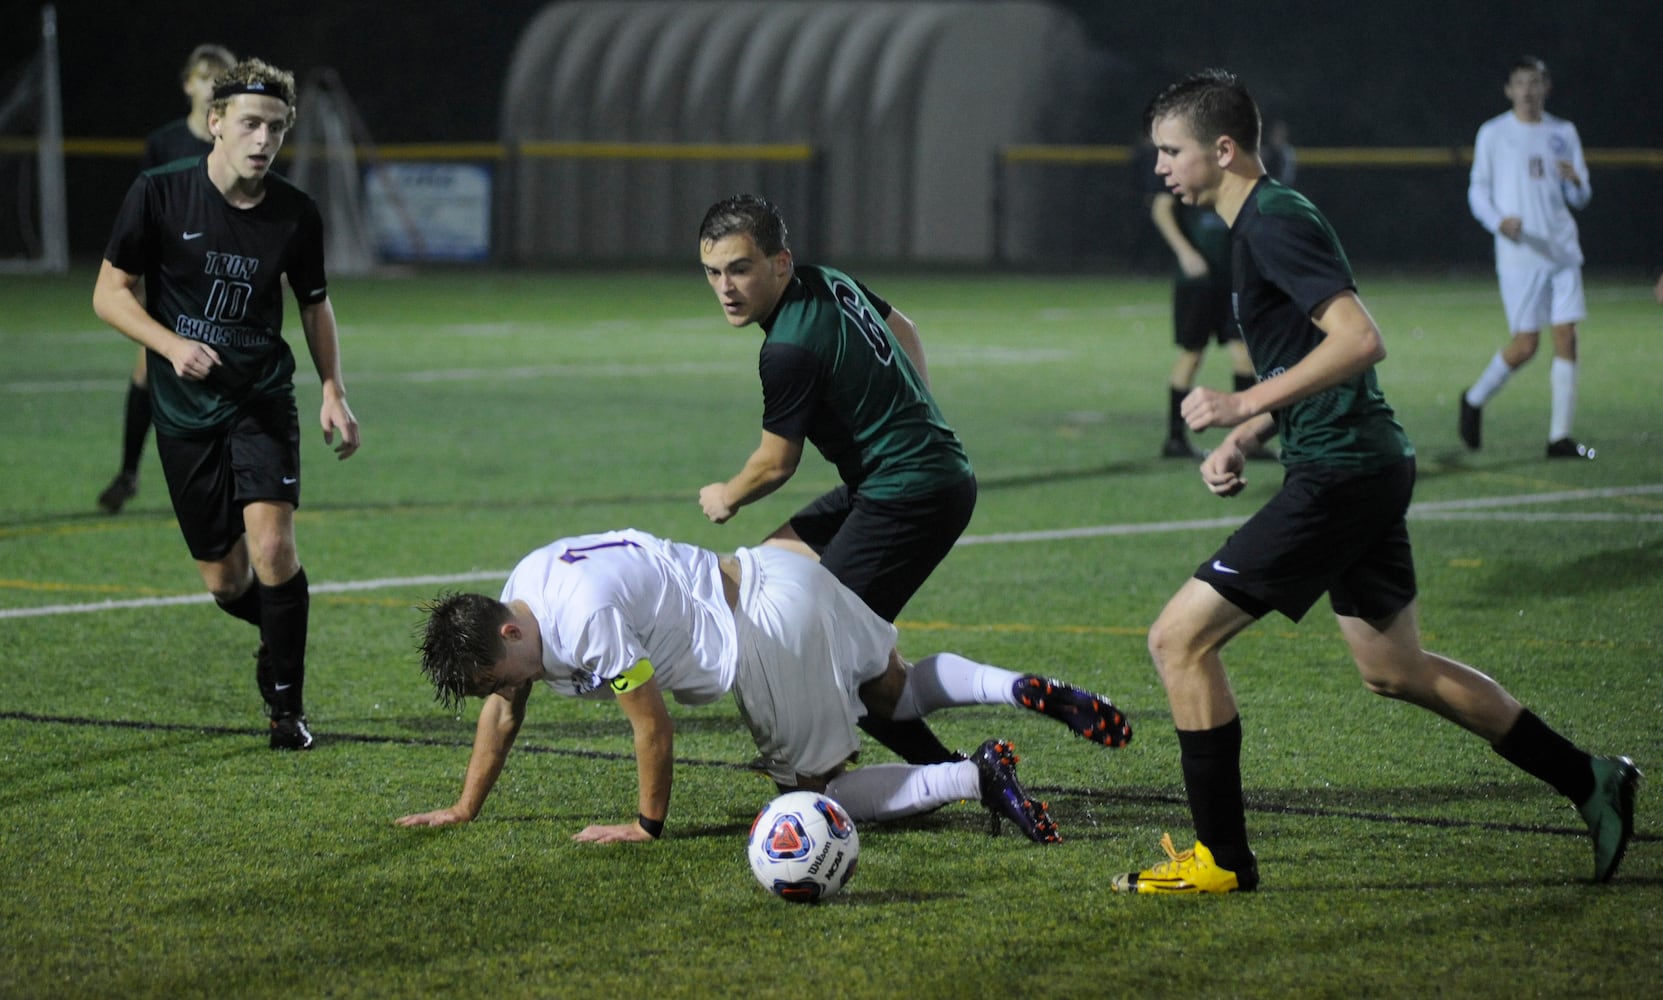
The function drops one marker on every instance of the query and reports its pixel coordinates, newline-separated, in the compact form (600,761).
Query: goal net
(34,219)
(332,151)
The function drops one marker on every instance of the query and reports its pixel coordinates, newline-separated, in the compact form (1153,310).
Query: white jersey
(606,602)
(1515,172)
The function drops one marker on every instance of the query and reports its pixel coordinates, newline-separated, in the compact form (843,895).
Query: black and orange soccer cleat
(1090,715)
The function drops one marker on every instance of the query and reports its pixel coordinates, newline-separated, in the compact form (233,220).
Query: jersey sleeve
(1480,196)
(306,273)
(879,306)
(130,247)
(606,649)
(1577,196)
(790,385)
(1298,256)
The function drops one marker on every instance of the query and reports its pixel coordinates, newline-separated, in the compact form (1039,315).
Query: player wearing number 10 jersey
(845,370)
(212,240)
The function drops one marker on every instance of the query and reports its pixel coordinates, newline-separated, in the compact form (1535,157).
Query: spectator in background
(1280,159)
(177,140)
(845,370)
(1527,175)
(213,240)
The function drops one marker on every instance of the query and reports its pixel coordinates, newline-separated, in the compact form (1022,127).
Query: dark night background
(1404,73)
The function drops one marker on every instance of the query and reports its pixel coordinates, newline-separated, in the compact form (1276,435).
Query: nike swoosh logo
(1219,567)
(191,236)
(281,687)
(290,480)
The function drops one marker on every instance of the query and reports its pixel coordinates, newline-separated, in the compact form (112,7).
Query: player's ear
(782,263)
(1225,150)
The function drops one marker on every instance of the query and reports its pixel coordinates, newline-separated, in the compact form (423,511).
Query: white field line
(1442,510)
(947,357)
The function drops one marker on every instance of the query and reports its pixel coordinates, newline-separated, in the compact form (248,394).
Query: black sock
(1242,383)
(286,608)
(135,429)
(911,740)
(1540,752)
(1212,779)
(1174,418)
(246,607)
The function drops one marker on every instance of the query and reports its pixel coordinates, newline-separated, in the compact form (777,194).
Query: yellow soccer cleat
(1191,872)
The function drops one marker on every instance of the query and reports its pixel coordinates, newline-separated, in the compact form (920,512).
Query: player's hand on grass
(438,817)
(621,833)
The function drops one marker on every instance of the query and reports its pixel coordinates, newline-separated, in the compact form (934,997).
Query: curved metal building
(903,104)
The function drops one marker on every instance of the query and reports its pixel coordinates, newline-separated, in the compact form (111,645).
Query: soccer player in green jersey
(213,239)
(1336,526)
(845,370)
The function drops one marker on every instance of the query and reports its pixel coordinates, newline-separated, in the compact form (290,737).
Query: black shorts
(884,550)
(1327,529)
(1201,313)
(256,457)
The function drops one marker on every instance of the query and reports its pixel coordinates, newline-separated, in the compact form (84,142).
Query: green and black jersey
(173,141)
(1209,235)
(1285,262)
(833,374)
(214,273)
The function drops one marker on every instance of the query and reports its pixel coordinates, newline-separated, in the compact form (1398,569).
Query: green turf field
(150,845)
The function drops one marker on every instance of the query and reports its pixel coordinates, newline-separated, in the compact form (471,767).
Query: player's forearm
(763,474)
(323,343)
(1163,212)
(120,307)
(499,724)
(655,764)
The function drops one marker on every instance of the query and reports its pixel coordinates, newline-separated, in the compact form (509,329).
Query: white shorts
(806,645)
(1538,299)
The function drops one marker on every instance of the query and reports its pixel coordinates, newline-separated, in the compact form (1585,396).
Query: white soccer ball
(803,847)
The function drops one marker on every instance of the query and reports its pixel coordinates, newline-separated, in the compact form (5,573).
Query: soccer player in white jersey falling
(1527,175)
(631,617)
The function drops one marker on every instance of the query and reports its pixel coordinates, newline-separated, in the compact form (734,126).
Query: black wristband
(654,827)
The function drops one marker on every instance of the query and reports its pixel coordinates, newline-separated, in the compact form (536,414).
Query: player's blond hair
(254,76)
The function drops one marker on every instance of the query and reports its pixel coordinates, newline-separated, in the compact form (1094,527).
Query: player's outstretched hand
(438,817)
(621,833)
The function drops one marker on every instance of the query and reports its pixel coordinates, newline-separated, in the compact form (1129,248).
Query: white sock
(890,791)
(1562,380)
(948,680)
(1489,383)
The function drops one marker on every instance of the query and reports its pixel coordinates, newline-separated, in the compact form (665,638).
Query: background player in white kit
(1527,174)
(630,616)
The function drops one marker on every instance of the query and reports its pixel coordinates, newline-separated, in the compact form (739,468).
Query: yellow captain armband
(632,678)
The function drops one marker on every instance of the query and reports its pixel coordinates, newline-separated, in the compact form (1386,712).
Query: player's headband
(260,87)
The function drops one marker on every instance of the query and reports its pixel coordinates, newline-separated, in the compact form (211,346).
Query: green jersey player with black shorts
(212,239)
(845,370)
(1337,524)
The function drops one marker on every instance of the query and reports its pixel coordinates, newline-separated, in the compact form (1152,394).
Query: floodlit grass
(151,846)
